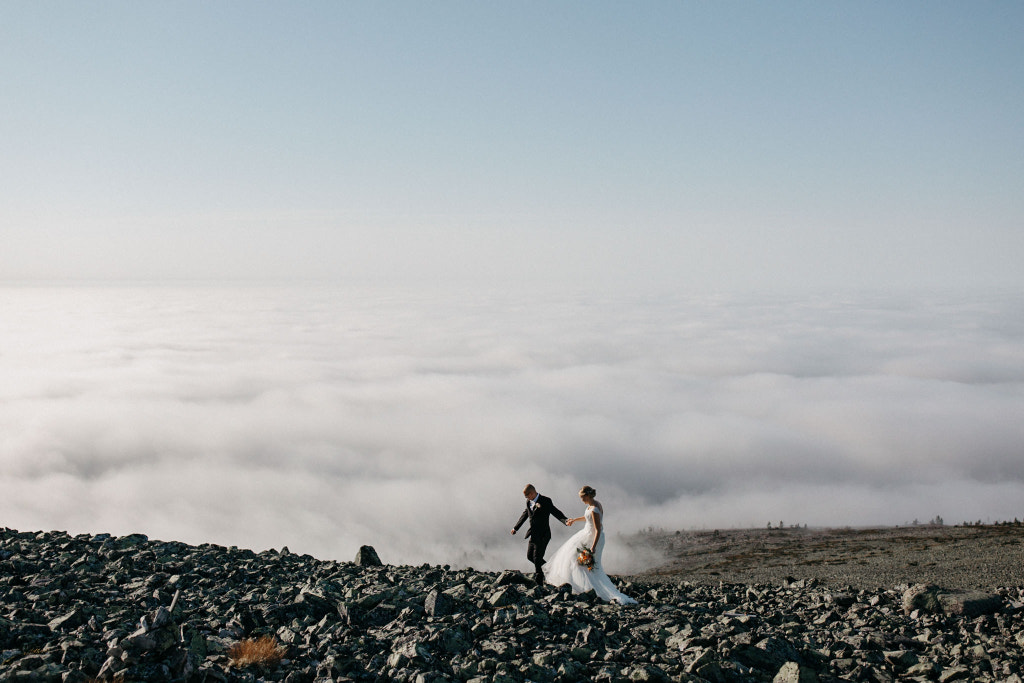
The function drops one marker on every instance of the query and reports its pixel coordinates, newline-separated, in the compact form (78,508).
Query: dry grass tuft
(256,651)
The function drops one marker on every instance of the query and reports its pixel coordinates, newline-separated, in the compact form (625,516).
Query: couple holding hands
(578,561)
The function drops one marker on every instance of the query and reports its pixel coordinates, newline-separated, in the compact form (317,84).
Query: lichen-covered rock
(923,597)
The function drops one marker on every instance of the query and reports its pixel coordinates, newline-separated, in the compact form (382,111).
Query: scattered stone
(101,608)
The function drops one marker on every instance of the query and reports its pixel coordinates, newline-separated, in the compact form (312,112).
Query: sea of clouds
(325,418)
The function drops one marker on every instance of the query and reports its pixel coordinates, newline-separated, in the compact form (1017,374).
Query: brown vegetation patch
(256,652)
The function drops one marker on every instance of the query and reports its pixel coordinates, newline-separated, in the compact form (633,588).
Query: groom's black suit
(540,530)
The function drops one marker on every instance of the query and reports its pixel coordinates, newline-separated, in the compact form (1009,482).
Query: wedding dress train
(563,568)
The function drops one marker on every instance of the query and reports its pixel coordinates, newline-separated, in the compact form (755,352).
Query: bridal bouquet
(585,558)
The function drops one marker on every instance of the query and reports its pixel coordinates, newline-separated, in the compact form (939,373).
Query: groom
(539,510)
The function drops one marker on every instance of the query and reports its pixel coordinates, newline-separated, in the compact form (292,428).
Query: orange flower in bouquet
(585,558)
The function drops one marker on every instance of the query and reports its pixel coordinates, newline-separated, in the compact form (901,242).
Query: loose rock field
(83,608)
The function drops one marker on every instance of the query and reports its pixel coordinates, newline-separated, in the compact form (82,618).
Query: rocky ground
(130,609)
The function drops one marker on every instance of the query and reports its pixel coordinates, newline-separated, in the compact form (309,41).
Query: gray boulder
(504,597)
(439,604)
(69,621)
(791,672)
(931,599)
(367,557)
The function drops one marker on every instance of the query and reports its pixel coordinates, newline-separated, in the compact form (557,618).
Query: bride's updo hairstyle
(588,491)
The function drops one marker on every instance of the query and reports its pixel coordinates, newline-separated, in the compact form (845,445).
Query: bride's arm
(597,531)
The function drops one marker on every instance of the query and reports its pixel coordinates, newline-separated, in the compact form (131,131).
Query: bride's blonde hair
(588,491)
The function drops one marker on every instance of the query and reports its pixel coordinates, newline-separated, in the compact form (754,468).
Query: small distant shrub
(256,651)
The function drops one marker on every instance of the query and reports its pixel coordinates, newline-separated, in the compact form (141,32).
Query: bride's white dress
(563,568)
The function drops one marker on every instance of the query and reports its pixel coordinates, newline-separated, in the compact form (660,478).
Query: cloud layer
(323,419)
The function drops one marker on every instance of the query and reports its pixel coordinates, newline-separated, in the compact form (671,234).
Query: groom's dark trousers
(539,533)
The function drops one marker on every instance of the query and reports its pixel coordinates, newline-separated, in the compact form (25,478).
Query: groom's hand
(513,532)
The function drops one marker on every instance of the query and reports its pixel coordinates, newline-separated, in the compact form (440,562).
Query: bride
(565,567)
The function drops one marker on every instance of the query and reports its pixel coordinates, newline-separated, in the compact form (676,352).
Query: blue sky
(634,147)
(670,144)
